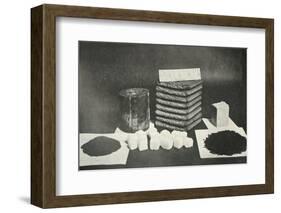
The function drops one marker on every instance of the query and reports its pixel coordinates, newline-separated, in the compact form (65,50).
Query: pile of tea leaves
(226,143)
(100,146)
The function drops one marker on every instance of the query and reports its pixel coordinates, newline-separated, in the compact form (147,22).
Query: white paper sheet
(202,134)
(118,157)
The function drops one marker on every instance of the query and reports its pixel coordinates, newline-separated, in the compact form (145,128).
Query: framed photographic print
(136,106)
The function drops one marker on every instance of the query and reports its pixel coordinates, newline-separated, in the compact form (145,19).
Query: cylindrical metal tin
(135,111)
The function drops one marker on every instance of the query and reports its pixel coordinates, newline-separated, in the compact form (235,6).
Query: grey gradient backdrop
(106,68)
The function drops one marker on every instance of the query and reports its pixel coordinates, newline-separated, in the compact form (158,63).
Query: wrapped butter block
(142,140)
(166,140)
(132,141)
(187,142)
(220,114)
(155,141)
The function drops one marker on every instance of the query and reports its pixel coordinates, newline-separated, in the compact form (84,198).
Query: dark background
(105,68)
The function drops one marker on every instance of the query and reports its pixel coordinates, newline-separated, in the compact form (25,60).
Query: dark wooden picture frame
(43,105)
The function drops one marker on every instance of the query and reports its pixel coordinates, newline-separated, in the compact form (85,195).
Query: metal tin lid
(134,92)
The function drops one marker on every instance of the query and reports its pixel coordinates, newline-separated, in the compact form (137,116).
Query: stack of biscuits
(178,104)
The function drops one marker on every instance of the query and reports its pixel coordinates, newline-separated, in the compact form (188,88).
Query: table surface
(173,157)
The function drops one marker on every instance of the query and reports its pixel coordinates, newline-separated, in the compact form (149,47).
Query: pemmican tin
(135,111)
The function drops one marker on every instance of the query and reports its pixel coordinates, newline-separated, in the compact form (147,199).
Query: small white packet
(155,141)
(178,141)
(132,141)
(142,140)
(188,142)
(179,133)
(122,136)
(151,131)
(166,140)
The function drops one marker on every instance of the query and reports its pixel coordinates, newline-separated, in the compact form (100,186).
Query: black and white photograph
(158,105)
(146,105)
